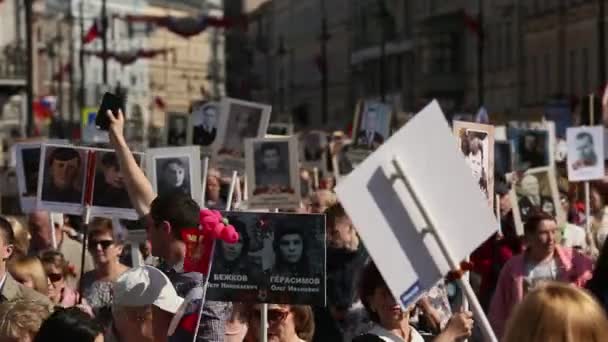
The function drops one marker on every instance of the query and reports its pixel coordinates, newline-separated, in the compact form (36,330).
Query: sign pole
(587,187)
(264,314)
(204,180)
(453,264)
(88,198)
(497,201)
(208,275)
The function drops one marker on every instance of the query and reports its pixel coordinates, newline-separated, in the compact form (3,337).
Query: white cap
(146,285)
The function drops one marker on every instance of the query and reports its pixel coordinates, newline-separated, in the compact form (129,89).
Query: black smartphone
(108,102)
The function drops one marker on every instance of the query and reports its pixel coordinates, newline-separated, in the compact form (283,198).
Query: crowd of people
(549,285)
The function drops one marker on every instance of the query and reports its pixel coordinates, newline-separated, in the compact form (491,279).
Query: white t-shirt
(538,273)
(388,336)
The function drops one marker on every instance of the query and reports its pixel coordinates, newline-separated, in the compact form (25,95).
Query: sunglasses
(103,243)
(274,315)
(55,277)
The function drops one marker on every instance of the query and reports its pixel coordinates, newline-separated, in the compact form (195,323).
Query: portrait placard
(503,157)
(202,125)
(174,169)
(313,146)
(28,163)
(585,153)
(533,144)
(239,120)
(110,196)
(476,142)
(535,191)
(279,258)
(272,173)
(61,180)
(371,128)
(176,129)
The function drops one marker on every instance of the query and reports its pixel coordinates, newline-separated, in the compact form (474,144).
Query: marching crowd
(549,285)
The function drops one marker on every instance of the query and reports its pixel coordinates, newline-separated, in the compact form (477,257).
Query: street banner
(279,258)
(385,212)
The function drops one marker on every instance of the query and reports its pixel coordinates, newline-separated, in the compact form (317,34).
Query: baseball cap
(146,285)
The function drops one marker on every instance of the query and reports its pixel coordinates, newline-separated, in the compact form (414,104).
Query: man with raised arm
(165,217)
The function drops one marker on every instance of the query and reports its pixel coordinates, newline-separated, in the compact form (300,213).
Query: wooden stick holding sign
(453,264)
(88,197)
(204,182)
(587,187)
(208,275)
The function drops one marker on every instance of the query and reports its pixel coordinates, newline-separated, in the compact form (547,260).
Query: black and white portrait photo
(503,163)
(110,194)
(173,175)
(272,251)
(63,177)
(313,146)
(239,120)
(476,142)
(373,126)
(177,133)
(175,169)
(203,123)
(533,144)
(272,167)
(585,153)
(536,191)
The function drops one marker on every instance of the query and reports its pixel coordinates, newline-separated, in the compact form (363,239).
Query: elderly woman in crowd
(106,248)
(286,323)
(391,322)
(57,271)
(28,271)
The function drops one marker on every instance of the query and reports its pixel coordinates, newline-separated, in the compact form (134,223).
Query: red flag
(472,24)
(93,33)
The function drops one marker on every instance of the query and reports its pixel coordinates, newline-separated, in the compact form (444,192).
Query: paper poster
(175,169)
(239,120)
(89,131)
(176,129)
(62,179)
(110,197)
(535,191)
(533,144)
(476,142)
(202,125)
(279,258)
(272,173)
(371,129)
(585,153)
(391,225)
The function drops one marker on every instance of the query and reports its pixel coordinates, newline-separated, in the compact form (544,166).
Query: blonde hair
(22,235)
(557,312)
(21,318)
(32,267)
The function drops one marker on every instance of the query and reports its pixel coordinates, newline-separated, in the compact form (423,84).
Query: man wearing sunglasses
(165,216)
(10,289)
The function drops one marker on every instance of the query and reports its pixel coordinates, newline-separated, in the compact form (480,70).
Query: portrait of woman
(231,258)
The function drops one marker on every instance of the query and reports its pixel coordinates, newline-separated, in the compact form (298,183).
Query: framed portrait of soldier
(503,157)
(28,164)
(585,153)
(279,258)
(202,125)
(110,197)
(272,173)
(280,128)
(61,180)
(371,128)
(176,129)
(313,146)
(533,144)
(535,191)
(175,169)
(476,142)
(239,120)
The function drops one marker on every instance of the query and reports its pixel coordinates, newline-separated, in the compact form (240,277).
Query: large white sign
(391,225)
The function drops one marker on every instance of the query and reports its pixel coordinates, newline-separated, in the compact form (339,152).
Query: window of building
(572,82)
(585,70)
(508,43)
(534,82)
(548,84)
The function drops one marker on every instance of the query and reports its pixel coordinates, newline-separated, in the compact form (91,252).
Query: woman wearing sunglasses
(105,247)
(57,271)
(286,323)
